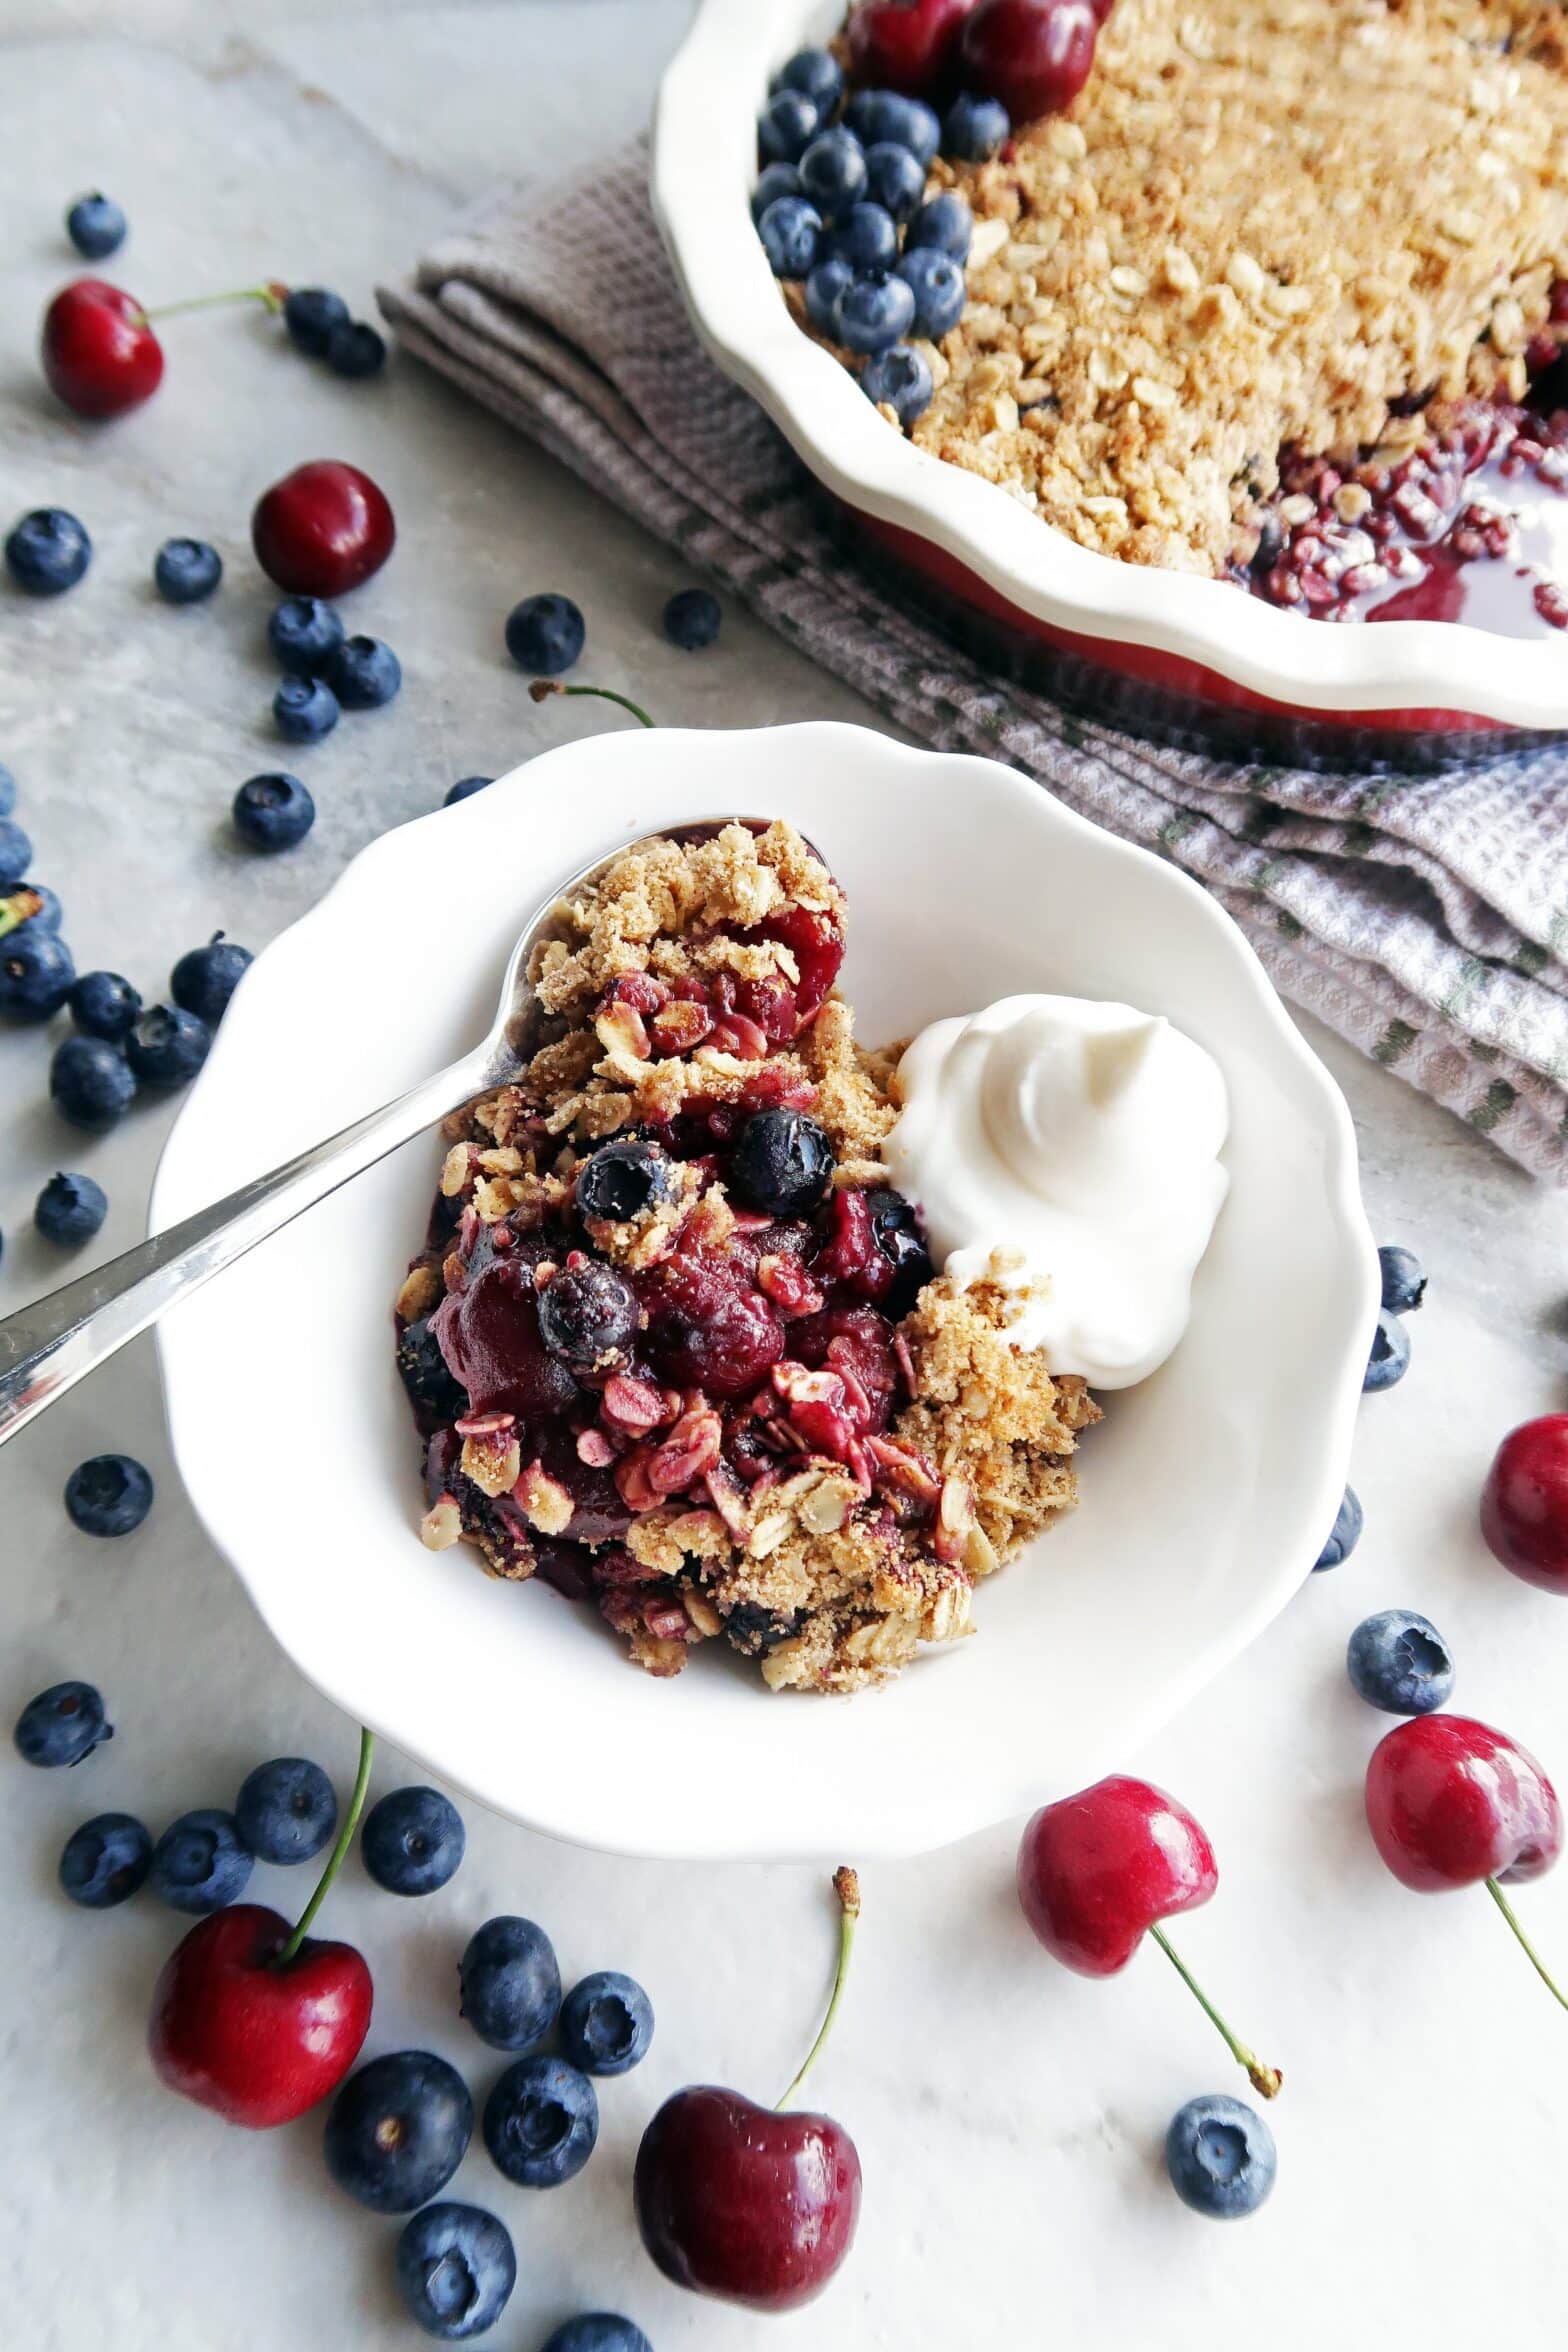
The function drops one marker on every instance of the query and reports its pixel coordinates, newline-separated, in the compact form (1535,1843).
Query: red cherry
(99,353)
(322,530)
(1451,1803)
(1034,55)
(904,44)
(1524,1503)
(256,2042)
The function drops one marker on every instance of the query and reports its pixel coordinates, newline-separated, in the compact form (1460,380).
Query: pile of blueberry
(841,207)
(1404,1287)
(325,672)
(319,324)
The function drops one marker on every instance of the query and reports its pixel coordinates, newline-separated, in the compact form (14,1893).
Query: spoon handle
(47,1347)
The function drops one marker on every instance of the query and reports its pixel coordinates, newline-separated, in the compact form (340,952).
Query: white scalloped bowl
(1206,1493)
(1166,642)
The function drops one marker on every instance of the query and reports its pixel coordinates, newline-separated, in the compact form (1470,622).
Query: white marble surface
(1009,2116)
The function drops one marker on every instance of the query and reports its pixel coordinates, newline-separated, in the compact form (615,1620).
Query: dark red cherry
(325,528)
(257,2042)
(1035,55)
(1524,1504)
(99,353)
(904,44)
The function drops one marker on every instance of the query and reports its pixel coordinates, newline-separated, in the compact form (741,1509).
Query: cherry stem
(356,1806)
(1264,2079)
(543,688)
(271,296)
(846,1885)
(17,907)
(1530,1952)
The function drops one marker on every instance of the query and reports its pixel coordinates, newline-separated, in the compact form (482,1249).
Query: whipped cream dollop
(1082,1140)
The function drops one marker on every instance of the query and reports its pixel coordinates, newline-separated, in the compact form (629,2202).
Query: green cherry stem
(18,907)
(543,688)
(356,1806)
(271,296)
(1264,2079)
(846,1885)
(1530,1952)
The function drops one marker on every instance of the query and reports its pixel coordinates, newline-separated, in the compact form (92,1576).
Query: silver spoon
(47,1347)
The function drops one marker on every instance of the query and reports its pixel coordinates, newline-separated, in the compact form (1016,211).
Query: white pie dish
(981,552)
(1206,1494)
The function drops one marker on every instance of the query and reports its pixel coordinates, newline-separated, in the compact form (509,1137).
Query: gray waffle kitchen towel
(1425,919)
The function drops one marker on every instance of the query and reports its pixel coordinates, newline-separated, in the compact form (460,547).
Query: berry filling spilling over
(674,1343)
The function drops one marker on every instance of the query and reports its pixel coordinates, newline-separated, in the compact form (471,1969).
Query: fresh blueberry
(200,1863)
(1220,2156)
(1404,1279)
(7,792)
(782,1162)
(897,1233)
(545,634)
(786,127)
(186,570)
(96,226)
(355,349)
(866,237)
(303,636)
(90,1083)
(70,1210)
(791,233)
(895,179)
(833,172)
(606,2023)
(1345,1533)
(589,1316)
(167,1046)
(36,972)
(398,2130)
(946,223)
(366,673)
(886,115)
(622,1179)
(286,1810)
(899,379)
(31,901)
(975,129)
(780,179)
(465,788)
(509,1983)
(875,313)
(937,283)
(455,2270)
(205,978)
(104,1005)
(310,313)
(824,292)
(108,1494)
(816,74)
(16,852)
(598,2331)
(412,1841)
(304,710)
(1400,1662)
(692,619)
(541,2121)
(273,812)
(47,552)
(62,1725)
(1390,1358)
(105,1861)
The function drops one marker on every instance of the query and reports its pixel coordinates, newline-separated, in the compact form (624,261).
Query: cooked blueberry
(200,1863)
(606,2023)
(355,349)
(899,379)
(398,2130)
(90,1083)
(791,233)
(425,1374)
(896,1230)
(36,973)
(545,634)
(786,127)
(875,313)
(866,237)
(946,224)
(1404,1279)
(1398,1661)
(103,1004)
(273,812)
(1345,1533)
(310,313)
(303,636)
(62,1725)
(167,1046)
(622,1179)
(16,853)
(205,978)
(824,292)
(782,1162)
(465,788)
(108,1494)
(412,1841)
(875,115)
(588,1315)
(1220,2156)
(692,619)
(366,673)
(96,226)
(47,552)
(455,2270)
(780,179)
(895,179)
(937,282)
(286,1810)
(816,74)
(833,172)
(185,571)
(541,2121)
(598,2331)
(509,1983)
(1389,1360)
(70,1210)
(975,129)
(304,710)
(105,1861)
